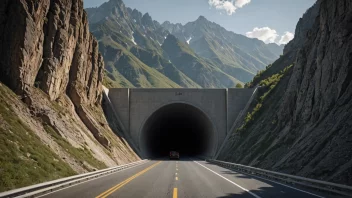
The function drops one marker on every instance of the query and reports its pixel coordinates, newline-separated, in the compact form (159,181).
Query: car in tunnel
(174,155)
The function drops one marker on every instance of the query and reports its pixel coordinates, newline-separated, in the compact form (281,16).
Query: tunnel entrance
(177,127)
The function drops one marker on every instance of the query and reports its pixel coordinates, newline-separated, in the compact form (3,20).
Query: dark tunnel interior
(177,127)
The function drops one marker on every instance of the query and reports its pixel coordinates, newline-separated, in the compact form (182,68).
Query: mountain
(301,122)
(235,54)
(52,123)
(202,71)
(132,46)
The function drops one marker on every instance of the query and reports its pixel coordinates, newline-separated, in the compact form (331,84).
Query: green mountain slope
(127,69)
(237,55)
(132,51)
(202,71)
(164,66)
(135,53)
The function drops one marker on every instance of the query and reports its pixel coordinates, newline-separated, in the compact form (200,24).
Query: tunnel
(177,127)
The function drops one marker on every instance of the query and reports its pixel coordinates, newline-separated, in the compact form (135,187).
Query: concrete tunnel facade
(194,122)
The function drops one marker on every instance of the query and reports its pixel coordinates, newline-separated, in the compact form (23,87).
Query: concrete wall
(238,103)
(222,107)
(237,100)
(144,102)
(120,101)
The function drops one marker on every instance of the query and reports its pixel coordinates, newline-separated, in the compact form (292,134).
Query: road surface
(183,178)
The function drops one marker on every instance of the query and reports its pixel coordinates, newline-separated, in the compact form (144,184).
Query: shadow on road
(261,192)
(240,175)
(170,160)
(271,189)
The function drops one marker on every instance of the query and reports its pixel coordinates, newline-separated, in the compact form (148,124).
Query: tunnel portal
(193,121)
(177,127)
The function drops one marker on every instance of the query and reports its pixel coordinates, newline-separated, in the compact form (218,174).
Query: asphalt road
(183,178)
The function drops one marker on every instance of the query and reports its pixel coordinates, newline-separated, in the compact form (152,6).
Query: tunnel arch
(178,126)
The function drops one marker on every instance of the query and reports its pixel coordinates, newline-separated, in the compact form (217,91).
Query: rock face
(21,41)
(304,25)
(305,124)
(48,44)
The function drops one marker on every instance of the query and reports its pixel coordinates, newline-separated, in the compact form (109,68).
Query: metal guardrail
(289,179)
(44,188)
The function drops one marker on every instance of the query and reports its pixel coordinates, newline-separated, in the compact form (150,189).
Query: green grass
(136,72)
(256,77)
(24,159)
(270,83)
(133,71)
(115,80)
(239,85)
(81,154)
(164,67)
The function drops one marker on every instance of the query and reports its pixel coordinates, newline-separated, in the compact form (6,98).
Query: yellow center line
(175,193)
(176,173)
(176,178)
(118,186)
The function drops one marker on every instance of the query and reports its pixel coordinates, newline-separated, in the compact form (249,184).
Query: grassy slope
(24,159)
(234,54)
(129,71)
(272,69)
(81,154)
(135,71)
(165,67)
(264,103)
(269,84)
(202,71)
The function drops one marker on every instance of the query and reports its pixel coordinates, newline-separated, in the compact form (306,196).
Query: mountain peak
(147,15)
(147,20)
(166,23)
(202,18)
(115,2)
(175,47)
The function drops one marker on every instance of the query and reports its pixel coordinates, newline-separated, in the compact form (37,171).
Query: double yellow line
(120,185)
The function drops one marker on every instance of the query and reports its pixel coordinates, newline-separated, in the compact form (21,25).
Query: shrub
(239,85)
(271,83)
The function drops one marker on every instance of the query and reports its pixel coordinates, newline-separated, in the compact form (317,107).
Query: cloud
(241,3)
(287,37)
(265,34)
(228,6)
(268,35)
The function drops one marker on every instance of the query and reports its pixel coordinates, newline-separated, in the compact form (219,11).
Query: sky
(272,21)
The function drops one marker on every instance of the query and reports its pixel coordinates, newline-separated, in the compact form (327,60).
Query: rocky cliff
(302,124)
(51,61)
(48,44)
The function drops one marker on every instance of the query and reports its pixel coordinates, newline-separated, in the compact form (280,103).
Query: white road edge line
(89,180)
(280,184)
(254,195)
